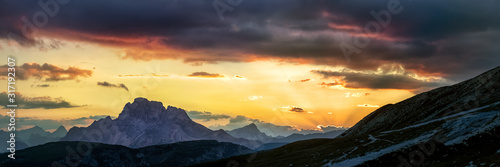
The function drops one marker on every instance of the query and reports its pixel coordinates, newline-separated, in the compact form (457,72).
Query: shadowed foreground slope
(176,154)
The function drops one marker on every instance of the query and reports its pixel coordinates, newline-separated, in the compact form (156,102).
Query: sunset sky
(269,62)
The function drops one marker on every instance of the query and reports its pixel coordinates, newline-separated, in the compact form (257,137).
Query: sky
(290,65)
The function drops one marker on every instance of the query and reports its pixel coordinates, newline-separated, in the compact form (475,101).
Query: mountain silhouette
(146,123)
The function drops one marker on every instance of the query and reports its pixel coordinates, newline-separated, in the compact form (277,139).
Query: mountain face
(172,155)
(456,125)
(250,132)
(145,123)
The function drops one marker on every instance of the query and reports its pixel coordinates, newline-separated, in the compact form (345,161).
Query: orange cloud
(48,72)
(332,84)
(343,27)
(356,94)
(305,80)
(240,77)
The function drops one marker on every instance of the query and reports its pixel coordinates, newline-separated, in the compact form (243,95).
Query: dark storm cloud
(454,39)
(45,102)
(107,84)
(352,79)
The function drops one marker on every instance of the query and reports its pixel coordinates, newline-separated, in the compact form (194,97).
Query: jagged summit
(147,110)
(60,131)
(252,125)
(251,128)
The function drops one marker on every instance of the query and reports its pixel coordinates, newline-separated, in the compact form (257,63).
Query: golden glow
(258,89)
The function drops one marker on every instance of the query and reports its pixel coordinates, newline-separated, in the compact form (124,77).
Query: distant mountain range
(456,125)
(172,155)
(146,123)
(297,137)
(250,132)
(32,137)
(278,142)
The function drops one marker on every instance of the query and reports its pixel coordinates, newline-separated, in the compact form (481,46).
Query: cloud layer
(383,78)
(47,72)
(450,39)
(45,102)
(107,84)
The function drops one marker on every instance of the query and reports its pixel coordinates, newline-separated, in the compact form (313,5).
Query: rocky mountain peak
(36,129)
(251,128)
(60,132)
(250,132)
(147,110)
(61,129)
(145,123)
(252,125)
